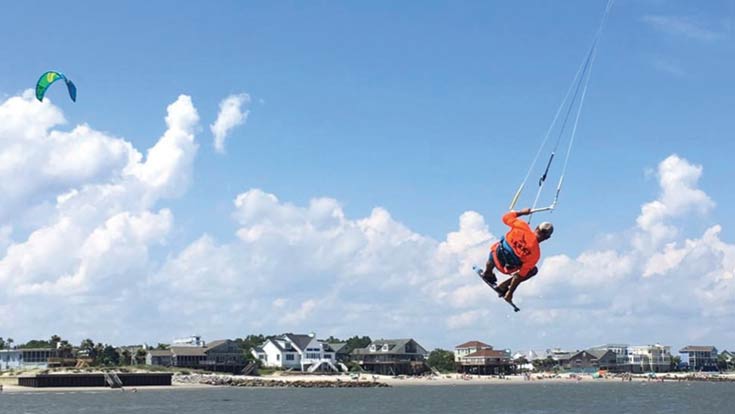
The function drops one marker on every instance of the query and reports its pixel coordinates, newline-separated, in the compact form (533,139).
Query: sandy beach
(459,379)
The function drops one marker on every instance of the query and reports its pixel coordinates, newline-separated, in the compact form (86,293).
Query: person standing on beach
(517,253)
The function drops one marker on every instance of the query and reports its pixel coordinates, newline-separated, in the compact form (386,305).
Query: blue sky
(426,109)
(396,100)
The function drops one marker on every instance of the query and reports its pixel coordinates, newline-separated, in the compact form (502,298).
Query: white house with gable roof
(302,352)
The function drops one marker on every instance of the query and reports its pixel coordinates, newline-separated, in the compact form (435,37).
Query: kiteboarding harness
(577,91)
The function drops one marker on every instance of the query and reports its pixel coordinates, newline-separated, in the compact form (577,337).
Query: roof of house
(275,343)
(395,346)
(594,353)
(487,353)
(337,347)
(696,348)
(608,346)
(215,344)
(38,349)
(160,352)
(188,351)
(534,355)
(598,353)
(299,341)
(473,344)
(563,356)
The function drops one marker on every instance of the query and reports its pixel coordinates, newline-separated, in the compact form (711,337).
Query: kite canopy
(48,78)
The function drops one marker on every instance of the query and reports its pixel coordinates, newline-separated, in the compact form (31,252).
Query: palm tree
(140,356)
(675,362)
(87,349)
(126,357)
(519,363)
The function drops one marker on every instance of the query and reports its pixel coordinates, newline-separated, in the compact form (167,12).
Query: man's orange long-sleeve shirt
(522,239)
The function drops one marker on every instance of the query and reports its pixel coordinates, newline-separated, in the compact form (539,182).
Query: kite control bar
(553,203)
(538,210)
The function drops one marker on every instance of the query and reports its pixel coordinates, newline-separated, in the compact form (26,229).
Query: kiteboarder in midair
(517,253)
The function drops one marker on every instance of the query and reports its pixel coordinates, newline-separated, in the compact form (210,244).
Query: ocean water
(526,398)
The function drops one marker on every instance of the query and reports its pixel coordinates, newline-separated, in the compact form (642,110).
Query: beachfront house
(159,357)
(727,356)
(621,355)
(10,359)
(590,360)
(223,356)
(558,354)
(469,348)
(524,361)
(700,358)
(475,357)
(27,358)
(726,360)
(187,356)
(301,352)
(486,362)
(392,357)
(341,351)
(649,358)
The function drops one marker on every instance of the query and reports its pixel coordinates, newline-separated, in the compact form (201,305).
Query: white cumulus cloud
(97,256)
(231,115)
(38,161)
(88,254)
(679,196)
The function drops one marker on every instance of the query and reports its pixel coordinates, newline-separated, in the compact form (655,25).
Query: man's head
(544,231)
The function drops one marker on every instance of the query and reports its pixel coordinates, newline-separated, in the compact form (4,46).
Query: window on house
(289,357)
(278,357)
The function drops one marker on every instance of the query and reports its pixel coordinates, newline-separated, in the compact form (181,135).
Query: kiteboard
(494,287)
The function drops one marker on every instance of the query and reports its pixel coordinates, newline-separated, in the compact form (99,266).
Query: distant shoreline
(218,381)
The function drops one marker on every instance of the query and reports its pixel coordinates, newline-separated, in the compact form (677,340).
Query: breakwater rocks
(677,378)
(235,381)
(707,378)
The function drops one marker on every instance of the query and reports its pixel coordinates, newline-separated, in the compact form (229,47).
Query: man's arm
(524,212)
(512,215)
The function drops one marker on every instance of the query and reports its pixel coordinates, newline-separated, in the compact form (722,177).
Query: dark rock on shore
(232,381)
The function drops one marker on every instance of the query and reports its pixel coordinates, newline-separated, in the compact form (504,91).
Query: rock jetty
(235,381)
